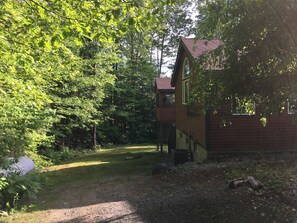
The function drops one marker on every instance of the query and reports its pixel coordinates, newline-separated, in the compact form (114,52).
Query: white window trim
(291,112)
(186,60)
(185,79)
(183,91)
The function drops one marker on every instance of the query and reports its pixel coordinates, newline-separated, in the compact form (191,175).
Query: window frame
(186,72)
(185,92)
(169,100)
(292,111)
(186,81)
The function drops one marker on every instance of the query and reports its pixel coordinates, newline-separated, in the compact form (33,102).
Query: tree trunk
(95,137)
(161,56)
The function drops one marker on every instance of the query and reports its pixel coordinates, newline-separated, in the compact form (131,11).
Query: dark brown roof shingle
(197,47)
(163,83)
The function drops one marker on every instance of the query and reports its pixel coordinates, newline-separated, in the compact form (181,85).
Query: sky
(167,72)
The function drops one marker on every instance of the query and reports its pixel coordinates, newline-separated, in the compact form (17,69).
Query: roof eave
(174,75)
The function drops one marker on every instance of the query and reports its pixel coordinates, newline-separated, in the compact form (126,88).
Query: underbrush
(63,156)
(15,188)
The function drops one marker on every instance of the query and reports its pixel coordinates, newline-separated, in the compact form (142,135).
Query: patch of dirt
(189,193)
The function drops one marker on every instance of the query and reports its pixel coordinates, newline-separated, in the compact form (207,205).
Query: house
(203,134)
(165,112)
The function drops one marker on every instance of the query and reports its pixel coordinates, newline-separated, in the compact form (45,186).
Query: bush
(59,157)
(40,161)
(16,187)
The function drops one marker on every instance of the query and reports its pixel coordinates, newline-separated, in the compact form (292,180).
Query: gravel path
(189,194)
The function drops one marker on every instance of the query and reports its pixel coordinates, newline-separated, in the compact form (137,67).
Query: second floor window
(185,82)
(169,100)
(186,68)
(186,92)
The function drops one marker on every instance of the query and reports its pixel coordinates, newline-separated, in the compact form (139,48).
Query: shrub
(40,161)
(58,157)
(15,187)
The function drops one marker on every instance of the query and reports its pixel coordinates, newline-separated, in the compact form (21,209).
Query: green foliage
(61,156)
(258,51)
(129,108)
(56,63)
(16,187)
(67,67)
(40,161)
(176,21)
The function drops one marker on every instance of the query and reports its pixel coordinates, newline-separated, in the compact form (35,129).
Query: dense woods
(76,74)
(258,53)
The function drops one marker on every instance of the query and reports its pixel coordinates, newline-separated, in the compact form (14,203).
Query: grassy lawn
(88,169)
(123,160)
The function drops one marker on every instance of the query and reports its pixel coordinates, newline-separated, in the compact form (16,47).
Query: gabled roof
(163,83)
(195,48)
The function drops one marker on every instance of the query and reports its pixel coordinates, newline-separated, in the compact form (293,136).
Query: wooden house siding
(206,134)
(165,114)
(165,111)
(192,126)
(247,134)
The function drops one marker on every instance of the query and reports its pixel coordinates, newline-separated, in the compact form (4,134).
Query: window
(186,94)
(186,68)
(242,106)
(185,82)
(169,100)
(292,107)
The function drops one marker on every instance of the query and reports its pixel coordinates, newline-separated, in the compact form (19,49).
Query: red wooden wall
(246,133)
(193,126)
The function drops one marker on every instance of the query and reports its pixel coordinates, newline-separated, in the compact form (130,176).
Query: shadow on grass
(95,175)
(103,164)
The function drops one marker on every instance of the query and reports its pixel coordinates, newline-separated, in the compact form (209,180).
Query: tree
(129,106)
(176,22)
(128,109)
(258,51)
(48,87)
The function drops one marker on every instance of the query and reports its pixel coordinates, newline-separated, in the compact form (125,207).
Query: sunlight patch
(73,165)
(116,211)
(139,147)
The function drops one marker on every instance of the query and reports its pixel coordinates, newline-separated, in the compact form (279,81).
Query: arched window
(186,68)
(185,81)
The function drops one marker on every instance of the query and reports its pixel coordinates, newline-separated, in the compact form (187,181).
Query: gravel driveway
(191,194)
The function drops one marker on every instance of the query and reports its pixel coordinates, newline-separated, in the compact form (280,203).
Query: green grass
(116,161)
(123,161)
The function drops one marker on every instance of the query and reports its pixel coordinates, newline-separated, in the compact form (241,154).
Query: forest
(76,74)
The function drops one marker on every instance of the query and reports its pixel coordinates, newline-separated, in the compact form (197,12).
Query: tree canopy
(57,62)
(258,51)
